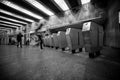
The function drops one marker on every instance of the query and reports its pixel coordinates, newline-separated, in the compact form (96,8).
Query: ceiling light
(40,7)
(3,28)
(21,9)
(62,4)
(13,20)
(10,23)
(12,14)
(85,1)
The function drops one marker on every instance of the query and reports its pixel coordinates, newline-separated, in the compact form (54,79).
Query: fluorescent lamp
(10,23)
(31,32)
(4,29)
(13,20)
(62,4)
(85,1)
(21,9)
(40,7)
(12,14)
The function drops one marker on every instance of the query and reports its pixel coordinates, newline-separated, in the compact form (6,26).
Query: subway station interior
(61,39)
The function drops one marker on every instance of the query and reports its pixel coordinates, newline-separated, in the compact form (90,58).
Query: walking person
(40,41)
(10,41)
(19,40)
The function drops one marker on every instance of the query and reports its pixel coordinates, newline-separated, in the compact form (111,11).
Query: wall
(113,26)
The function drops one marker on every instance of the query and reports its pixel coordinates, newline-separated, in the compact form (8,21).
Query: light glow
(62,4)
(85,1)
(21,9)
(3,28)
(86,26)
(119,16)
(10,23)
(31,32)
(12,20)
(15,15)
(40,7)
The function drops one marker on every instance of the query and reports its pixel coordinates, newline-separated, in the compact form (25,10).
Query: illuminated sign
(86,26)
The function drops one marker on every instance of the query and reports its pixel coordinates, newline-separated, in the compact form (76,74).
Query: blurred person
(40,41)
(19,39)
(10,41)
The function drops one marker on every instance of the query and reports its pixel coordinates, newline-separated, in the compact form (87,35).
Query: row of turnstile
(4,39)
(89,37)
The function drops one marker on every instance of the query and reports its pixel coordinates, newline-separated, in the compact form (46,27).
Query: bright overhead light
(3,28)
(21,9)
(12,20)
(12,14)
(62,4)
(85,1)
(10,23)
(40,7)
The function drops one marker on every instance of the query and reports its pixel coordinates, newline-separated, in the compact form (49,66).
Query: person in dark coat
(10,41)
(19,40)
(40,41)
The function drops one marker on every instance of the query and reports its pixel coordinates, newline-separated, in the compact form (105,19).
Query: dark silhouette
(10,40)
(40,41)
(19,40)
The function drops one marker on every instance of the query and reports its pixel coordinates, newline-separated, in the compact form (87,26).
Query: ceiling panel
(2,6)
(52,6)
(10,24)
(30,7)
(12,17)
(7,26)
(74,5)
(11,21)
(101,3)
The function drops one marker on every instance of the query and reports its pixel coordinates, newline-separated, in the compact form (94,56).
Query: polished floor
(32,63)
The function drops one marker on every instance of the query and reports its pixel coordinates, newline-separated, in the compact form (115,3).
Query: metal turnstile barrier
(62,40)
(74,39)
(56,40)
(51,41)
(93,38)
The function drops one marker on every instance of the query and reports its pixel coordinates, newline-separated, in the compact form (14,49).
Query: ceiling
(72,4)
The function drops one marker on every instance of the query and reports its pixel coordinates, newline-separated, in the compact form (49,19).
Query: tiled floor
(31,63)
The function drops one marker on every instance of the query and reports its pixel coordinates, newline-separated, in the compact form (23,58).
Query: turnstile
(74,39)
(56,40)
(93,38)
(51,41)
(62,40)
(45,41)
